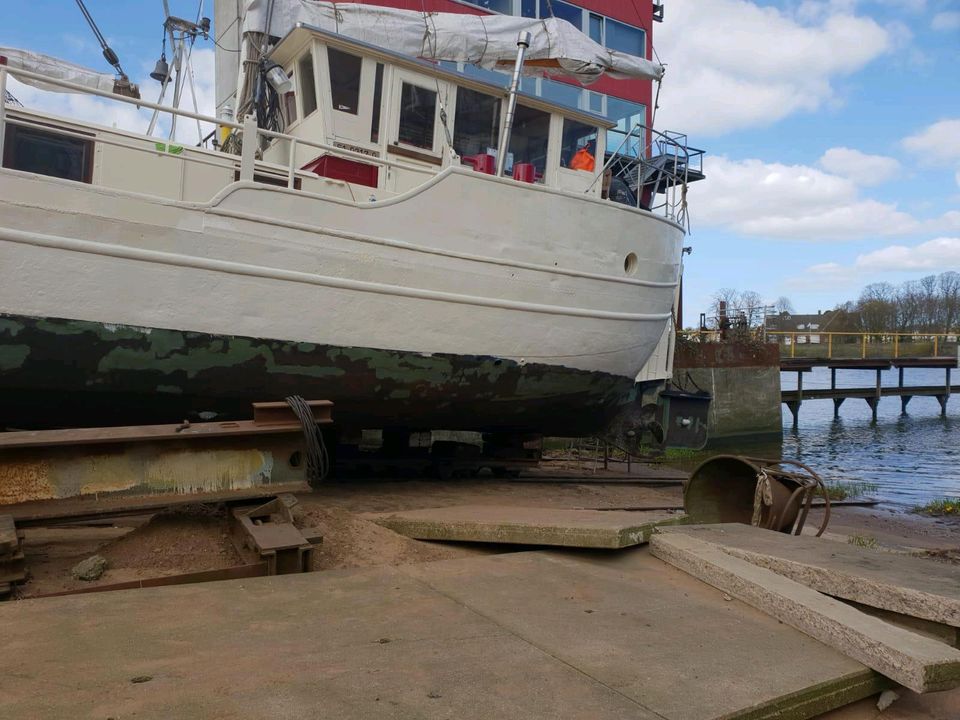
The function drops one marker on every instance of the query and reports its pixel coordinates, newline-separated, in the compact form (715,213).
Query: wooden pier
(794,398)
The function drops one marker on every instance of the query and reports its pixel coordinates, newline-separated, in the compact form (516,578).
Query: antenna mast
(181,34)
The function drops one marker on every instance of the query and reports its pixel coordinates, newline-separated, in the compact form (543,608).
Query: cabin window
(290,102)
(344,80)
(578,150)
(476,124)
(308,85)
(562,11)
(529,139)
(48,153)
(625,38)
(377,101)
(418,113)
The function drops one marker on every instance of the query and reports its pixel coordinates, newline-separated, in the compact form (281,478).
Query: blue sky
(832,129)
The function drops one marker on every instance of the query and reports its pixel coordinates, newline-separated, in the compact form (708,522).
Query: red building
(624,25)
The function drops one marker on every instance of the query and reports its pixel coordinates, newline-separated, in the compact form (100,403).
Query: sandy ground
(196,539)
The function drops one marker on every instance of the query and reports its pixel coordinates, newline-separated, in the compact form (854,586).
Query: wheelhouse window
(48,153)
(418,113)
(290,101)
(529,139)
(476,124)
(345,72)
(578,150)
(308,84)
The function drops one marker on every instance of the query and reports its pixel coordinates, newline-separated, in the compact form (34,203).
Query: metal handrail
(249,126)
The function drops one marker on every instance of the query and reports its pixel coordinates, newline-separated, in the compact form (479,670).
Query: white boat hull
(501,275)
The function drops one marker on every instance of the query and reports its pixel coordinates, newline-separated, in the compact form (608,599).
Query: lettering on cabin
(356,149)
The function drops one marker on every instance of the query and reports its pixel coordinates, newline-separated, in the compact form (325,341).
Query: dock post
(837,402)
(794,406)
(904,399)
(946,396)
(876,398)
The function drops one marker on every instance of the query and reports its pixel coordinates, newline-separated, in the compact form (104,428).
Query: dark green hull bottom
(71,373)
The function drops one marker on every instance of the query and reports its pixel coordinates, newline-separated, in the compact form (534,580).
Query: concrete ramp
(609,529)
(524,635)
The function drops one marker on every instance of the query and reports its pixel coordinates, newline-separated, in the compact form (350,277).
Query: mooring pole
(523,42)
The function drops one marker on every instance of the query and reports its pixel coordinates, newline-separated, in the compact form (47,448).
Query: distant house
(809,324)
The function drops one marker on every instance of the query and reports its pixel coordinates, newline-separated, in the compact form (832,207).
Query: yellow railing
(808,343)
(811,343)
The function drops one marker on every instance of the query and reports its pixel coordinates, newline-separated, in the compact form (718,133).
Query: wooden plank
(919,587)
(915,661)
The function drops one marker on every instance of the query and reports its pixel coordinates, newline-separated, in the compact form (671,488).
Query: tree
(782,305)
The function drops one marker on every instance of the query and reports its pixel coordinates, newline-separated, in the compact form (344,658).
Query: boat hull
(422,311)
(61,372)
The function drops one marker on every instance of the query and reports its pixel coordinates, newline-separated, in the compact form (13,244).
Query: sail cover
(489,41)
(55,68)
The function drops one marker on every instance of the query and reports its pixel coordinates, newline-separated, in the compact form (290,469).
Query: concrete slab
(907,585)
(917,662)
(527,525)
(655,635)
(519,635)
(347,645)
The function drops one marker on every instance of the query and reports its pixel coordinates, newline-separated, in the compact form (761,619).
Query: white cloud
(118,114)
(937,143)
(934,255)
(946,21)
(861,168)
(794,202)
(733,64)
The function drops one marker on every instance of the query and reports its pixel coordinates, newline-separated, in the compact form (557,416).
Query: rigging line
(108,54)
(647,31)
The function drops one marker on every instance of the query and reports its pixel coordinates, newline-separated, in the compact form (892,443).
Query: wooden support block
(917,662)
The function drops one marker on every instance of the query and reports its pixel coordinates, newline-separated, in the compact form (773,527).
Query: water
(912,458)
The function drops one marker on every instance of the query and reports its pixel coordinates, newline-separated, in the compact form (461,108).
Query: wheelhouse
(422,118)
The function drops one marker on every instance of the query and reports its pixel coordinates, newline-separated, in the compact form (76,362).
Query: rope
(762,497)
(318,464)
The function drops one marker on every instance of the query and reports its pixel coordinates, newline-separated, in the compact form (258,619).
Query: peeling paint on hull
(58,372)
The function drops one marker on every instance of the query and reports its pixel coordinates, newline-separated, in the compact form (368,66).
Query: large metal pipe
(772,494)
(523,42)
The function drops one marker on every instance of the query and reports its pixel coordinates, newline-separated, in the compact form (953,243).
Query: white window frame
(425,82)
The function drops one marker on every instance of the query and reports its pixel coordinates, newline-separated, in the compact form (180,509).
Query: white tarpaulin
(489,41)
(55,68)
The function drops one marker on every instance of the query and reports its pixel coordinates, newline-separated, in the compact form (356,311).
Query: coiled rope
(318,461)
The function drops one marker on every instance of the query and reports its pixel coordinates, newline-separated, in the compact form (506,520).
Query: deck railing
(248,161)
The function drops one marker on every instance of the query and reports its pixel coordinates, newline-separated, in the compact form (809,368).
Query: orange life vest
(582,160)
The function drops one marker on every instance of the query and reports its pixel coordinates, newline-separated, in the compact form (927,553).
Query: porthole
(630,263)
(296,459)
